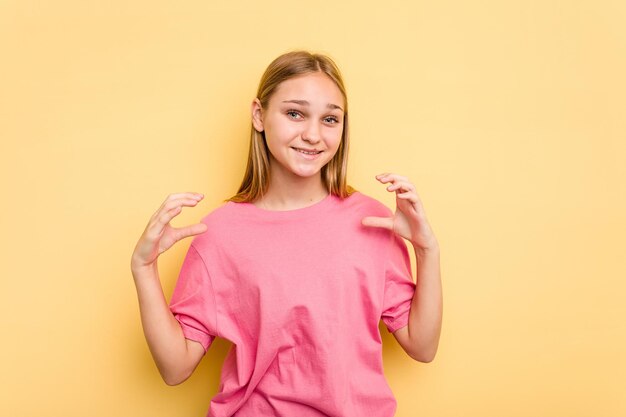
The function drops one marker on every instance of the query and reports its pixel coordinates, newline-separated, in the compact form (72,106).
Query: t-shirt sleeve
(399,285)
(193,301)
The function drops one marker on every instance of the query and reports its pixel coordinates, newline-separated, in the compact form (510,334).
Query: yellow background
(508,116)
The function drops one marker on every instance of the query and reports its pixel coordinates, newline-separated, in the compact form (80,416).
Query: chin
(306,174)
(306,170)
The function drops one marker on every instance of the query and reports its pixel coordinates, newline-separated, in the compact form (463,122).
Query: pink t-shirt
(300,294)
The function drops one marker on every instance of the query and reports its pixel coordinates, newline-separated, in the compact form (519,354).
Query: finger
(410,196)
(407,195)
(382,177)
(194,229)
(177,196)
(180,202)
(401,185)
(187,194)
(390,175)
(387,177)
(166,215)
(413,198)
(170,204)
(383,222)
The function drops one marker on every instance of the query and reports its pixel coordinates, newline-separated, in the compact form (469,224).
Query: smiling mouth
(307,152)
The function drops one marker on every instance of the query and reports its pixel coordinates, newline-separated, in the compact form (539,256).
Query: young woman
(297,269)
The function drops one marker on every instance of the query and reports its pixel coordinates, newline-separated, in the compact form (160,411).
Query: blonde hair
(289,65)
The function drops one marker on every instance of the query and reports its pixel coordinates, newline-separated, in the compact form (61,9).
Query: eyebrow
(306,103)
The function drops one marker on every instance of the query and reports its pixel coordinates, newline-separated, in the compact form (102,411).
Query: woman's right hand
(159,236)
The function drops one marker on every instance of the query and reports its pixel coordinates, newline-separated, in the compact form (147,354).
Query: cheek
(277,138)
(281,132)
(334,137)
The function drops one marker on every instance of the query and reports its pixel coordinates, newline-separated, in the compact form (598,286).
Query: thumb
(384,222)
(194,229)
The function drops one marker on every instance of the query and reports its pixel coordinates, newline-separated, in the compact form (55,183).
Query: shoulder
(366,204)
(220,213)
(218,221)
(358,206)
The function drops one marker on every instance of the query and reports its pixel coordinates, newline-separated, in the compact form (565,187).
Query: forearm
(427,305)
(162,331)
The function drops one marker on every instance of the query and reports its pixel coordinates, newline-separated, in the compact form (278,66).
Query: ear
(257,115)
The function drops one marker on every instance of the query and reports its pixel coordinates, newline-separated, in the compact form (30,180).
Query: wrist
(138,269)
(431,247)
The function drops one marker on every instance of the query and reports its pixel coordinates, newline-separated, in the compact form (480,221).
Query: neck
(288,191)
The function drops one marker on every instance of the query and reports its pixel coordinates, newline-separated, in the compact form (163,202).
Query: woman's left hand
(409,219)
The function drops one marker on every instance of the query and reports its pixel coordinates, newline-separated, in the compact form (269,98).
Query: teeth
(307,153)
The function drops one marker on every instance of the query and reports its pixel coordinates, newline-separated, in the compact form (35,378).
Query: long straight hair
(255,181)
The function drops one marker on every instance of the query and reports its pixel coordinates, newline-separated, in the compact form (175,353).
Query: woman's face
(303,123)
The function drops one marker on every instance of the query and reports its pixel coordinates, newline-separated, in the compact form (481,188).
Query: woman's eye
(293,114)
(331,119)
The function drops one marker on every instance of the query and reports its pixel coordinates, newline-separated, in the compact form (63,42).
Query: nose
(311,132)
